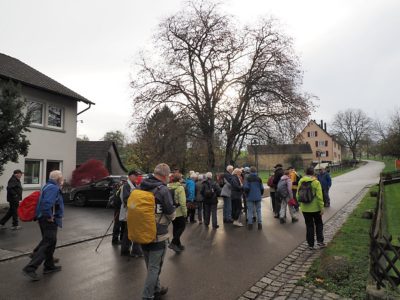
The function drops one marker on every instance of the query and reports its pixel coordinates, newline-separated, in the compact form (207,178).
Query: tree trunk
(228,151)
(210,155)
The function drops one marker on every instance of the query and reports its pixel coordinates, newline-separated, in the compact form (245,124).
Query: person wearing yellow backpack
(150,211)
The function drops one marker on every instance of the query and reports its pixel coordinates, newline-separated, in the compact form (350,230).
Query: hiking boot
(31,275)
(115,242)
(259,226)
(237,223)
(16,227)
(321,245)
(55,259)
(51,270)
(175,248)
(311,248)
(294,220)
(216,227)
(282,220)
(276,216)
(181,247)
(254,219)
(249,226)
(160,293)
(200,222)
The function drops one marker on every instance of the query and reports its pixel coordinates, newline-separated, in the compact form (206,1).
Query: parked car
(98,191)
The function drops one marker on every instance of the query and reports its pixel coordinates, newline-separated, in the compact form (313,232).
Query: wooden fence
(384,256)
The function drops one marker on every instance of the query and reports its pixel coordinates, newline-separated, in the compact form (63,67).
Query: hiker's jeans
(251,205)
(200,210)
(154,261)
(12,212)
(210,210)
(227,210)
(284,205)
(179,224)
(46,247)
(314,224)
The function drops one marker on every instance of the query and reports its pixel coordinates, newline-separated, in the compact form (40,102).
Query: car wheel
(80,200)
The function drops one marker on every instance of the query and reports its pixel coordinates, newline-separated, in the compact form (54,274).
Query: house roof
(281,149)
(334,137)
(12,68)
(86,150)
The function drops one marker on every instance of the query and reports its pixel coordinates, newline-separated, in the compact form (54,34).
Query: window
(320,144)
(36,111)
(51,166)
(324,154)
(32,171)
(312,134)
(55,116)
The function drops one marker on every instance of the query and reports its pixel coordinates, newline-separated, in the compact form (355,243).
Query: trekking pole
(112,221)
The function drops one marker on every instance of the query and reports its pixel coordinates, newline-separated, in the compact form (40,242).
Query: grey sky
(350,50)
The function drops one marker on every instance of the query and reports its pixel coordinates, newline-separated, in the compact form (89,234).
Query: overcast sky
(349,50)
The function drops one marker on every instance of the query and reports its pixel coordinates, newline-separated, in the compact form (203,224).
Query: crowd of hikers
(145,207)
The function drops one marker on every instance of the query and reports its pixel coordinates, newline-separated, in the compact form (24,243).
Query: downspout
(87,108)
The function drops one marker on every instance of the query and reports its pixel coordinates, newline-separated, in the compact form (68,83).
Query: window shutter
(316,133)
(316,143)
(327,153)
(326,143)
(308,134)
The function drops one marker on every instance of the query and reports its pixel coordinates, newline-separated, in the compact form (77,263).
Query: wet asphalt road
(217,264)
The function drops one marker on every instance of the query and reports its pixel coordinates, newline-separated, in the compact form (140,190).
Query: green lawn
(352,242)
(392,211)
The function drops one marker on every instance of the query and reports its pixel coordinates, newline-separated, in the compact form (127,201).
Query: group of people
(177,200)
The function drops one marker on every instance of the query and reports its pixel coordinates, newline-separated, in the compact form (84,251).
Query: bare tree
(352,126)
(391,141)
(223,78)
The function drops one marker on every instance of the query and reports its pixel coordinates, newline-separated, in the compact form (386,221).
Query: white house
(53,125)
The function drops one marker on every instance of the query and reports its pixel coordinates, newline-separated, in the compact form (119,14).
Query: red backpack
(27,207)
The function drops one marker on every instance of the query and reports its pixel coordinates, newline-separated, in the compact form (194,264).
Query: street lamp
(255,142)
(318,152)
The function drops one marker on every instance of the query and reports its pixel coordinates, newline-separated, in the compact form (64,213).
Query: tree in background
(14,123)
(162,138)
(117,137)
(87,172)
(351,127)
(83,137)
(220,77)
(390,145)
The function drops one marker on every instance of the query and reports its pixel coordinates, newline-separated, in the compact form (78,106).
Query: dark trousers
(277,204)
(325,194)
(126,244)
(46,246)
(12,212)
(272,194)
(179,224)
(191,209)
(118,230)
(210,210)
(236,208)
(314,224)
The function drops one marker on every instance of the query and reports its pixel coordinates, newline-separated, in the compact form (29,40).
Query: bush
(89,171)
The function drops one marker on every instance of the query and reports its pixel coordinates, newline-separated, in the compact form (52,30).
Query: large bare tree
(224,78)
(352,126)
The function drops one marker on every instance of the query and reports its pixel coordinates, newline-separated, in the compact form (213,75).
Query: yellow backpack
(141,217)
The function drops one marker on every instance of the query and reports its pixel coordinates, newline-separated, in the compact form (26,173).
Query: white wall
(47,144)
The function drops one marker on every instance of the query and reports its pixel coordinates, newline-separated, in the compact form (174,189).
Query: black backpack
(305,192)
(172,193)
(114,200)
(208,190)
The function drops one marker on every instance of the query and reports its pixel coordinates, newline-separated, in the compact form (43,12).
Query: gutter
(87,108)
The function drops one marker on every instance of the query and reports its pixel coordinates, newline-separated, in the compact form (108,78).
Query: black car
(98,191)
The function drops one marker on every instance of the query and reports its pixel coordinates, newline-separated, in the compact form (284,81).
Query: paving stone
(250,295)
(285,276)
(274,272)
(280,269)
(317,297)
(272,288)
(333,296)
(282,293)
(261,297)
(320,291)
(242,298)
(280,298)
(268,294)
(256,289)
(261,284)
(277,283)
(266,280)
(292,268)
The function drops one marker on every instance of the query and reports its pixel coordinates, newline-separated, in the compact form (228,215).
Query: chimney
(325,126)
(321,124)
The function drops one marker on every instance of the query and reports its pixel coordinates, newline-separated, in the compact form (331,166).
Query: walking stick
(112,221)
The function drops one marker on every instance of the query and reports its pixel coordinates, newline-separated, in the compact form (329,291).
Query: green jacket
(180,197)
(318,203)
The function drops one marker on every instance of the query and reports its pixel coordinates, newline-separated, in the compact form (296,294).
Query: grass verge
(351,242)
(392,211)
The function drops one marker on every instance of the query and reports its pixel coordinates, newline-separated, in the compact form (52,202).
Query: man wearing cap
(126,244)
(14,195)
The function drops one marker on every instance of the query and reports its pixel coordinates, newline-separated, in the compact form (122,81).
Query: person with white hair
(199,197)
(49,213)
(210,191)
(226,195)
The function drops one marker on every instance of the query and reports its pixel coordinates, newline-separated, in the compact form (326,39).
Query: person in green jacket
(313,211)
(179,223)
